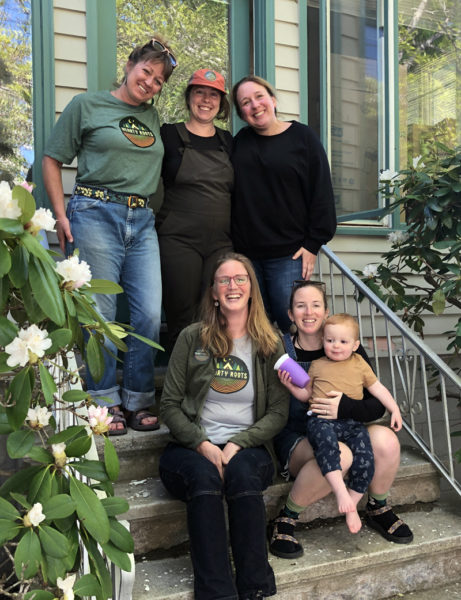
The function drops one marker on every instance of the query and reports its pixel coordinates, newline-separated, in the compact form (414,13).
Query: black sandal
(282,543)
(388,524)
(117,417)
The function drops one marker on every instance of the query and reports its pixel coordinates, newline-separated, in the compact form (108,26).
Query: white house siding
(70,61)
(287,58)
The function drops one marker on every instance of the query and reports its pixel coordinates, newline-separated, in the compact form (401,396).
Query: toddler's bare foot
(353,521)
(345,502)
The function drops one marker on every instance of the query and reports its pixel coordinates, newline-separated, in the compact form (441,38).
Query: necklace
(296,341)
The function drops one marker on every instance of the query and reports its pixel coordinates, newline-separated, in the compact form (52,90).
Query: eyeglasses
(156,45)
(300,283)
(237,279)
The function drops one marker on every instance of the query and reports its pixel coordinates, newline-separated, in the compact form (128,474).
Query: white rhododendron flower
(29,345)
(370,270)
(39,417)
(9,207)
(66,585)
(74,272)
(416,162)
(397,237)
(35,516)
(59,454)
(99,421)
(42,219)
(388,175)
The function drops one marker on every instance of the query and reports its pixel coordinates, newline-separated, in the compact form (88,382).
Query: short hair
(299,285)
(250,78)
(147,53)
(345,319)
(224,106)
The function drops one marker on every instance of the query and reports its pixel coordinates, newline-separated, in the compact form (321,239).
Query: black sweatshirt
(283,197)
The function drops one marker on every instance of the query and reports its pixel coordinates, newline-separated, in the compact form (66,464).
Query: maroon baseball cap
(209,78)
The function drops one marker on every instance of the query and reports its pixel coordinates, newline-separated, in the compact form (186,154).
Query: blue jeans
(120,244)
(275,278)
(192,478)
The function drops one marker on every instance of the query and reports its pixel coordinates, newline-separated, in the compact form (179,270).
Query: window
(429,75)
(345,110)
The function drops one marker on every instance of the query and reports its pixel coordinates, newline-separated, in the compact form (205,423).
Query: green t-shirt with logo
(117,145)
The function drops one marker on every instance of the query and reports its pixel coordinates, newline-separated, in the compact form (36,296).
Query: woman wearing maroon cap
(193,223)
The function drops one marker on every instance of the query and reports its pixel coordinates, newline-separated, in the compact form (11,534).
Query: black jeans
(191,477)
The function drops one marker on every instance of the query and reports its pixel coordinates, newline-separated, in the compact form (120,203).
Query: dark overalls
(193,228)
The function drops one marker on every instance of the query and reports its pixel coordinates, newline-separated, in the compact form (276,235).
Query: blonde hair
(214,334)
(345,319)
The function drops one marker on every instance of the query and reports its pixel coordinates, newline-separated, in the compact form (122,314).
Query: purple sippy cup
(298,375)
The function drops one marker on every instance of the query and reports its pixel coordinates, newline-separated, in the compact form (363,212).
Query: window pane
(16,130)
(429,75)
(354,104)
(197,31)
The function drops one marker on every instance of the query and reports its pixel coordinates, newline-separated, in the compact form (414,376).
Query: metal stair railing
(427,390)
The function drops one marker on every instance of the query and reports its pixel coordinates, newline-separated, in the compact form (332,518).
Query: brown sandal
(117,417)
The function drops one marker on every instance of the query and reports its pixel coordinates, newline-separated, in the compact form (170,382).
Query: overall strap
(289,346)
(184,135)
(224,141)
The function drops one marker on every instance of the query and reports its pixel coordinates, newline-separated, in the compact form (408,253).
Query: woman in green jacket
(223,404)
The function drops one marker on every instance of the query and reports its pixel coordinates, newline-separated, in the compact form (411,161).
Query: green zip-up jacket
(187,383)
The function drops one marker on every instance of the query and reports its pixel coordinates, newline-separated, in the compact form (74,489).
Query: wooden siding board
(68,22)
(286,10)
(69,48)
(71,75)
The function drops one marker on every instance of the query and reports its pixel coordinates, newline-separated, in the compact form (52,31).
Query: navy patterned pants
(324,435)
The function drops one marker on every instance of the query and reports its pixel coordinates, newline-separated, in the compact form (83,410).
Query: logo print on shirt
(138,133)
(231,375)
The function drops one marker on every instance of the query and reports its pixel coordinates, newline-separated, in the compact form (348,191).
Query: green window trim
(264,39)
(101,43)
(43,100)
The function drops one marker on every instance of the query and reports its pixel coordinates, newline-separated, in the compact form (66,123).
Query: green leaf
(21,500)
(8,331)
(94,358)
(11,226)
(146,341)
(79,446)
(111,460)
(53,542)
(40,486)
(26,203)
(121,537)
(39,454)
(39,595)
(88,585)
(5,427)
(103,286)
(5,259)
(19,481)
(115,505)
(44,284)
(4,368)
(4,291)
(438,302)
(58,507)
(20,442)
(70,306)
(35,247)
(7,510)
(118,557)
(8,530)
(99,566)
(72,432)
(19,392)
(61,338)
(75,396)
(48,384)
(91,468)
(90,511)
(27,556)
(33,310)
(19,266)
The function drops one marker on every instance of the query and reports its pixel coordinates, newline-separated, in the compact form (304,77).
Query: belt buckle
(135,201)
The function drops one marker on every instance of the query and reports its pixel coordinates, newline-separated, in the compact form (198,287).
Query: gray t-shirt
(117,145)
(229,407)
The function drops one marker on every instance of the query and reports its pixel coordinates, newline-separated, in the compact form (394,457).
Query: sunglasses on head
(160,47)
(300,283)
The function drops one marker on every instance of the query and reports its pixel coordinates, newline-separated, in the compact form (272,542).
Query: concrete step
(441,592)
(159,521)
(337,565)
